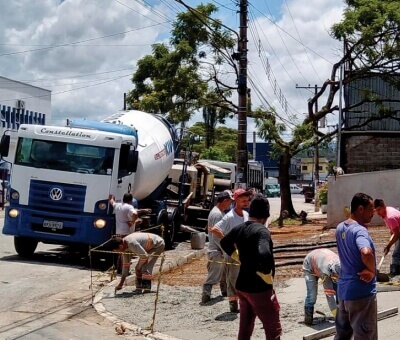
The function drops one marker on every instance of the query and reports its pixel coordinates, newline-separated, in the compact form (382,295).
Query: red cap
(241,192)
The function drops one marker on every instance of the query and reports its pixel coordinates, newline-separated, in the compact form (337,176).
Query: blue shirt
(351,238)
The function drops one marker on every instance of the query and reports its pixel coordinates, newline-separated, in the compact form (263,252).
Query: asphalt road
(298,203)
(49,296)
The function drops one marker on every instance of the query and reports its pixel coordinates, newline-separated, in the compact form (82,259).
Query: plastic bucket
(198,240)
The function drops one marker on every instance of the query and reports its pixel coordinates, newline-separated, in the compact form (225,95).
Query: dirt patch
(194,273)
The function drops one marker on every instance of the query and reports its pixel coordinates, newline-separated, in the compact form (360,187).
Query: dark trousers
(265,306)
(358,318)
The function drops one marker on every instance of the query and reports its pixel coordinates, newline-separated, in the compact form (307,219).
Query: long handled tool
(381,277)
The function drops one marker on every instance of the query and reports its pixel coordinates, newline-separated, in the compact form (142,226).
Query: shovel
(381,277)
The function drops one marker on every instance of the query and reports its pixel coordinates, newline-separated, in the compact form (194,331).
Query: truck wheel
(168,236)
(24,246)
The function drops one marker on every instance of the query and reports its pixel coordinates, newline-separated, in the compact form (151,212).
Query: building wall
(371,152)
(36,108)
(377,184)
(307,168)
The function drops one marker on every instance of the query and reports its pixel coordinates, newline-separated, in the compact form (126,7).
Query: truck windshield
(61,156)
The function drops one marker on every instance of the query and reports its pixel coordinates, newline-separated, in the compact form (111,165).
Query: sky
(85,51)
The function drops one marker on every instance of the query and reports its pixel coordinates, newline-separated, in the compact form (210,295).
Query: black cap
(259,207)
(226,194)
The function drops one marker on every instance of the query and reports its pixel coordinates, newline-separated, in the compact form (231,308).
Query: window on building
(304,167)
(320,167)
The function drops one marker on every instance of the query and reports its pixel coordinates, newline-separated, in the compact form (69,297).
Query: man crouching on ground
(254,285)
(148,247)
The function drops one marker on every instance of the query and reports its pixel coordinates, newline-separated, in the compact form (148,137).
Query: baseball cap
(336,268)
(226,194)
(241,192)
(259,207)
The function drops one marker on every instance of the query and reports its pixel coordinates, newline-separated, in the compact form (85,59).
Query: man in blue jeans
(357,314)
(320,264)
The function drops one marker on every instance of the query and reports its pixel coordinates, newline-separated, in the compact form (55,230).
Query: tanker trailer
(62,176)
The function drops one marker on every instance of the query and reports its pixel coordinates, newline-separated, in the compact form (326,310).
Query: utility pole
(241,57)
(316,152)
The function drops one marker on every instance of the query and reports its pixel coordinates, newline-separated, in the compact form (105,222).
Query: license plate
(52,224)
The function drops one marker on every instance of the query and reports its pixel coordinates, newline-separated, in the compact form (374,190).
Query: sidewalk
(177,305)
(116,312)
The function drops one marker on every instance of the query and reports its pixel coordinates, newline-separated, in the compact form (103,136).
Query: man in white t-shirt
(125,215)
(233,218)
(216,269)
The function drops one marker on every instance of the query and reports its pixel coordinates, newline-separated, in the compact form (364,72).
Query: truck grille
(72,200)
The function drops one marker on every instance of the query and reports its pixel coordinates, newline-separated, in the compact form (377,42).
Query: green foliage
(173,80)
(224,148)
(215,153)
(323,194)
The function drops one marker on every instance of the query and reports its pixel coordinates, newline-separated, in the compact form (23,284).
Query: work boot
(205,298)
(233,307)
(308,315)
(139,284)
(222,286)
(146,286)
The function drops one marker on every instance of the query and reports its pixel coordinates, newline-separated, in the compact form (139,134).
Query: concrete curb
(167,266)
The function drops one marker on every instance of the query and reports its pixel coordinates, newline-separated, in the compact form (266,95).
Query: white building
(22,103)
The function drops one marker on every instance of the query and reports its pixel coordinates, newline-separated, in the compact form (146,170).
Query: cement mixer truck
(62,177)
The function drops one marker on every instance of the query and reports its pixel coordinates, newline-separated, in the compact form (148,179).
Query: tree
(225,145)
(176,78)
(370,32)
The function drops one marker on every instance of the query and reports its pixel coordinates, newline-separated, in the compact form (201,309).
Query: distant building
(271,165)
(308,165)
(263,154)
(22,103)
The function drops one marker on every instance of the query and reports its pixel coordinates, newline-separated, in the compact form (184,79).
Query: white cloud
(34,25)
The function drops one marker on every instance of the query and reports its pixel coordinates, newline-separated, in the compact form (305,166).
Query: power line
(74,76)
(298,34)
(262,49)
(286,48)
(79,41)
(308,48)
(70,90)
(136,11)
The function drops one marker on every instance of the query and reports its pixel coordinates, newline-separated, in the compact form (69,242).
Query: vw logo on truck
(56,194)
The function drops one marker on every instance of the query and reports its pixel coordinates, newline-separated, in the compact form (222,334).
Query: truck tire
(169,234)
(24,246)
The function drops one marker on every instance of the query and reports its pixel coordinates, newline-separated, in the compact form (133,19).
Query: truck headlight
(13,213)
(102,206)
(100,223)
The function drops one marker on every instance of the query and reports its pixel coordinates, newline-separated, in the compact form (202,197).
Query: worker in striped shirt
(321,264)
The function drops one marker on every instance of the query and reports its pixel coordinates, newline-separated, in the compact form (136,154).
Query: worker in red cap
(234,217)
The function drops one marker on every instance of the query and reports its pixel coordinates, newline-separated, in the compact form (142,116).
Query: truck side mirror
(4,145)
(133,159)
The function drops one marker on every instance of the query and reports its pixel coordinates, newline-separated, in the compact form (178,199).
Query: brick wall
(364,153)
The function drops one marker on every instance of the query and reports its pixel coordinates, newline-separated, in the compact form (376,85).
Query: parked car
(295,189)
(272,190)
